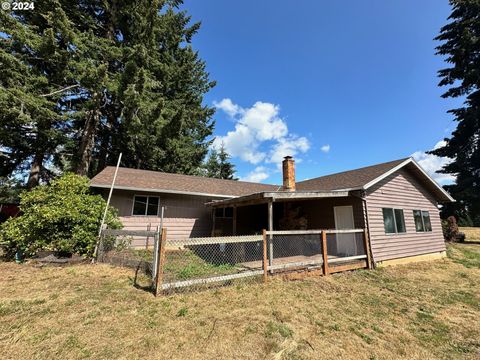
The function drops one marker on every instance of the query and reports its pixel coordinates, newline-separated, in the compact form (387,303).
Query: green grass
(465,254)
(185,264)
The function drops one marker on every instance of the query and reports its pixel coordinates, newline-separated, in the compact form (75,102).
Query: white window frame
(395,222)
(146,206)
(423,222)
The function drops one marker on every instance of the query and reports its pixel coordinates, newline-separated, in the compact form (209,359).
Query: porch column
(234,221)
(213,221)
(270,228)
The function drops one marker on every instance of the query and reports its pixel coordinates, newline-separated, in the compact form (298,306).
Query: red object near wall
(7,211)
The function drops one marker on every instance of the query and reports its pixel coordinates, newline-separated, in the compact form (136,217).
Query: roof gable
(352,179)
(366,177)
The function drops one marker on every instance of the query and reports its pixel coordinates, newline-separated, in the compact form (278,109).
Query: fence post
(324,253)
(366,244)
(161,261)
(265,261)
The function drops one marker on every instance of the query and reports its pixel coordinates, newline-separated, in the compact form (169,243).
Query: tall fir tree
(218,165)
(212,166)
(461,46)
(227,169)
(35,67)
(118,75)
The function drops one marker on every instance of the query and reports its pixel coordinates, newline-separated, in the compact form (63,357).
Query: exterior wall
(184,216)
(402,190)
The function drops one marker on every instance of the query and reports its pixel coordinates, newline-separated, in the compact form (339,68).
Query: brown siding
(185,215)
(402,190)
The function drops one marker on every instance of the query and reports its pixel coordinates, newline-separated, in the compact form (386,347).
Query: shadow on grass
(141,286)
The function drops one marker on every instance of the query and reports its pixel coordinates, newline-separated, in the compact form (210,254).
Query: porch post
(213,221)
(234,221)
(270,228)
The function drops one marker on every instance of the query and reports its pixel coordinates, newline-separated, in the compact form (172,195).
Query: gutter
(162,191)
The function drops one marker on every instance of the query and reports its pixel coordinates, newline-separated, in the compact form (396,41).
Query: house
(397,202)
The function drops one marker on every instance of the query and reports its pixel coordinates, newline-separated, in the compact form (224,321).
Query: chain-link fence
(117,247)
(176,264)
(195,262)
(304,248)
(294,250)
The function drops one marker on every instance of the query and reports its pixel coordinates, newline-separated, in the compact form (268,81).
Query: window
(145,205)
(393,220)
(224,212)
(422,221)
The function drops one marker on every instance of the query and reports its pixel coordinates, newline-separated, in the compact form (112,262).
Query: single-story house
(397,202)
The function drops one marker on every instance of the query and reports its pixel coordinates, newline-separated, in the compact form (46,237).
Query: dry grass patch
(471,233)
(420,311)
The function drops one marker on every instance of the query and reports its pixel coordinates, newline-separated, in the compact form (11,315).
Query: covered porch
(295,223)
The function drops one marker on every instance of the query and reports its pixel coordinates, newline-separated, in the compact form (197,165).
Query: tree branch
(61,90)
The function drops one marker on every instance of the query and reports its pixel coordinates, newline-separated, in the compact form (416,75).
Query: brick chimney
(288,165)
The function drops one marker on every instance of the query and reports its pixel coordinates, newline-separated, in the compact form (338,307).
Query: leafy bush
(450,228)
(63,216)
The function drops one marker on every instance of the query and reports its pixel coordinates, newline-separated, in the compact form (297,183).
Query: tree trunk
(87,140)
(35,170)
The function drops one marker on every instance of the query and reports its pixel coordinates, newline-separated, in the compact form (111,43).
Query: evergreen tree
(83,80)
(461,46)
(34,67)
(212,166)
(227,169)
(219,166)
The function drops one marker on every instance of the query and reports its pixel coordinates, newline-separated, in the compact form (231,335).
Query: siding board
(185,215)
(402,190)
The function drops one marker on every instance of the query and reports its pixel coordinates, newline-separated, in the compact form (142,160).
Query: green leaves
(63,216)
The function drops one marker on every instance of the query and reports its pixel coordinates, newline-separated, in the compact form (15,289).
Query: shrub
(63,216)
(450,228)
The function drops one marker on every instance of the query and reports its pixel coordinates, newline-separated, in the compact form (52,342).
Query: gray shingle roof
(348,179)
(145,180)
(136,179)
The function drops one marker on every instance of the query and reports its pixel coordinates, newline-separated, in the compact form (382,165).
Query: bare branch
(61,90)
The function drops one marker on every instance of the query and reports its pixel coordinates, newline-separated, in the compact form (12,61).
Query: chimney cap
(288,157)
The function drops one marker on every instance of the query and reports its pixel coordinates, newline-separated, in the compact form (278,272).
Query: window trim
(395,222)
(223,213)
(423,221)
(146,205)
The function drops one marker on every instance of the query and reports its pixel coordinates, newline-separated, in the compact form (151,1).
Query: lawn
(472,234)
(427,310)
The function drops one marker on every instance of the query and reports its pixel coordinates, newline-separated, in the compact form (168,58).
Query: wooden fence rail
(322,263)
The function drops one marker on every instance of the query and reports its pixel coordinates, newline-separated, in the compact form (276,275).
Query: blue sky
(338,85)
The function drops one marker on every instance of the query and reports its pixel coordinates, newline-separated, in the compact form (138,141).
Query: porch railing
(328,249)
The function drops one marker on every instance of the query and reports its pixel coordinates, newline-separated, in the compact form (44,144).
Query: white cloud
(259,174)
(325,148)
(228,106)
(290,145)
(431,163)
(260,134)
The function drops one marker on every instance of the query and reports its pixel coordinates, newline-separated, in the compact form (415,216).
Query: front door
(346,244)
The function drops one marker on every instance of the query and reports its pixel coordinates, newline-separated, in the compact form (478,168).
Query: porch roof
(264,197)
